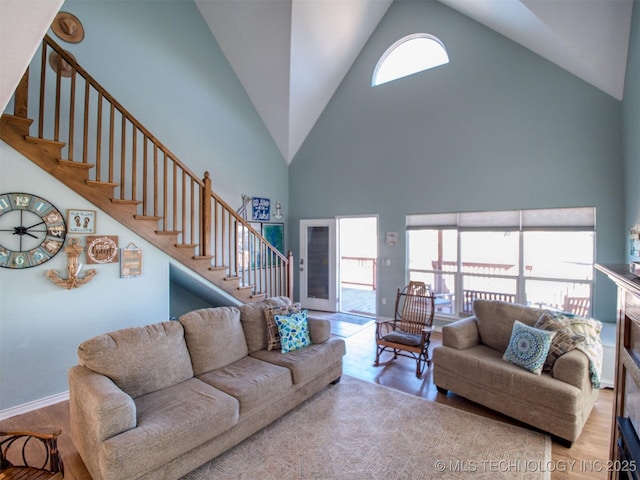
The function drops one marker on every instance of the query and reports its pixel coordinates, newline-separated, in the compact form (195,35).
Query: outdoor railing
(359,271)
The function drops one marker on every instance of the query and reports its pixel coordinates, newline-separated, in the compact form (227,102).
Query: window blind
(574,218)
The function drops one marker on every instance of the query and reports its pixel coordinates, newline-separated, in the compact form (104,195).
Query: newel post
(290,275)
(21,96)
(205,217)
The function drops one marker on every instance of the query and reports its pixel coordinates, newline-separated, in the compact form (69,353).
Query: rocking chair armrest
(427,330)
(384,326)
(384,320)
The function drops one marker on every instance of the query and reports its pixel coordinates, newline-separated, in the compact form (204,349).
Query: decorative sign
(81,221)
(130,261)
(261,209)
(102,249)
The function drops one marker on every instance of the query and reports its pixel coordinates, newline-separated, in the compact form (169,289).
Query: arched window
(409,55)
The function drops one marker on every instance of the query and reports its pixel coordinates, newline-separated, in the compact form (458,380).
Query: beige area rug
(359,430)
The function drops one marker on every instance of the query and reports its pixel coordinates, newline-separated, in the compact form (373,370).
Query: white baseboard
(36,404)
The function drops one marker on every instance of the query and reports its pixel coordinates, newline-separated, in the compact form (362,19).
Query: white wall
(41,324)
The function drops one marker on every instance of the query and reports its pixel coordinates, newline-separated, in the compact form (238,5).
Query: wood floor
(586,459)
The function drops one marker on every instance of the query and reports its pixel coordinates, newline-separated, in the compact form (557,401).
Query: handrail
(142,171)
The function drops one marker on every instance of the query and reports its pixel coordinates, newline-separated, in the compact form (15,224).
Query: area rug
(357,430)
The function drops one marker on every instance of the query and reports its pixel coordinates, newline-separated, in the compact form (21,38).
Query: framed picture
(81,221)
(130,261)
(261,208)
(274,234)
(102,249)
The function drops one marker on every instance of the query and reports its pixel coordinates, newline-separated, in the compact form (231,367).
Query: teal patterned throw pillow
(528,347)
(294,331)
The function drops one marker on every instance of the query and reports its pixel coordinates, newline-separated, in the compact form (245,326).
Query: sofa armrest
(319,329)
(573,368)
(461,334)
(99,409)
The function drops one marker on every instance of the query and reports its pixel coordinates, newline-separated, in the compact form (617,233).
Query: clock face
(32,230)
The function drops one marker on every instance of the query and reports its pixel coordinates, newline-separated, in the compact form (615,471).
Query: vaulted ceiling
(291,55)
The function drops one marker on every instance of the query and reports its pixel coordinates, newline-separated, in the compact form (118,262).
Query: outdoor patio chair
(408,334)
(577,305)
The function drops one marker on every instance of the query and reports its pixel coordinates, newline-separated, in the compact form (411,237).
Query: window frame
(579,219)
(403,41)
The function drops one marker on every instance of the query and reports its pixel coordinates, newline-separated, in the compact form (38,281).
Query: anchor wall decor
(73,251)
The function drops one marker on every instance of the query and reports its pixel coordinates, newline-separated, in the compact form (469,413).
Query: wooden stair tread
(202,257)
(13,119)
(186,245)
(147,217)
(99,183)
(122,201)
(44,141)
(73,164)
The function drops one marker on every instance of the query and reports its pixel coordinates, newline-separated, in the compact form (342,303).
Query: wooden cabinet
(624,452)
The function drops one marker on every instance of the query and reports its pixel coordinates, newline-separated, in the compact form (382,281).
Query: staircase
(77,132)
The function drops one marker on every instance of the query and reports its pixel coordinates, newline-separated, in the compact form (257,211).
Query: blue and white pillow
(528,347)
(294,331)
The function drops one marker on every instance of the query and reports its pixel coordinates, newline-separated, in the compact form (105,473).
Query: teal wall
(497,128)
(161,61)
(631,122)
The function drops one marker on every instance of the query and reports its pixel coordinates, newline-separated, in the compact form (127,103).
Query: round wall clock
(32,230)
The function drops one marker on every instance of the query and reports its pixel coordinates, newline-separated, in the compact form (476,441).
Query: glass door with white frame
(318,290)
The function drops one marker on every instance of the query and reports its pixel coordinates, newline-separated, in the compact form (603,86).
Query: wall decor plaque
(130,261)
(261,208)
(81,221)
(102,249)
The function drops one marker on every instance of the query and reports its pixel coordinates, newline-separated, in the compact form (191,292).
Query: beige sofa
(156,402)
(470,363)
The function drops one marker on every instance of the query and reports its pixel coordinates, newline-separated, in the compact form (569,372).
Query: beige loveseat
(156,402)
(470,363)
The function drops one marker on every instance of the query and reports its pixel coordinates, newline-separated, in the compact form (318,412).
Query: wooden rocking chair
(409,333)
(18,450)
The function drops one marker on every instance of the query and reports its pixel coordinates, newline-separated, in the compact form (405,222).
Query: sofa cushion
(215,337)
(528,347)
(273,336)
(307,363)
(294,331)
(252,382)
(140,360)
(254,323)
(170,422)
(495,321)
